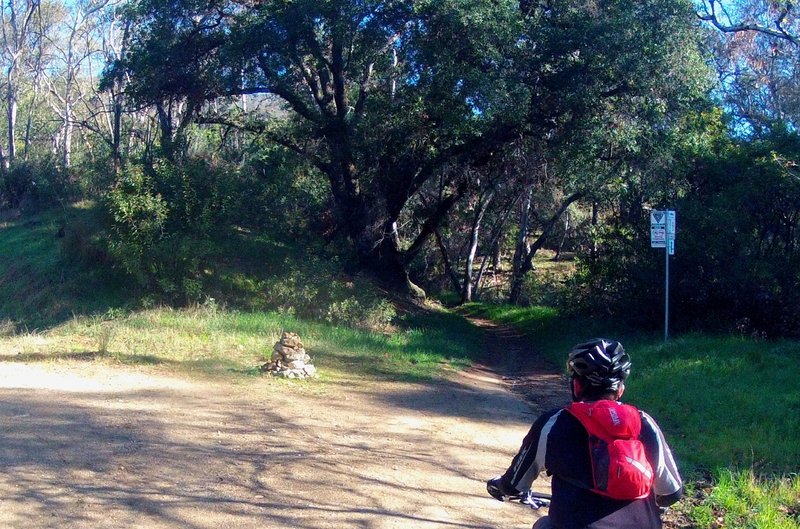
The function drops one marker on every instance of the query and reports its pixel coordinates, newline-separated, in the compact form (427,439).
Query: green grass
(739,499)
(39,285)
(52,308)
(732,402)
(208,341)
(729,406)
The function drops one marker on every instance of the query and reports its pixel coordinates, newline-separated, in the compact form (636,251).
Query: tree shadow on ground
(169,458)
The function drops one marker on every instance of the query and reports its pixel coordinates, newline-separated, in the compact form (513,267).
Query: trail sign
(658,229)
(670,231)
(662,235)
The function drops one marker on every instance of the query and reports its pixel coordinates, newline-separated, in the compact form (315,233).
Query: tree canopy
(425,142)
(381,96)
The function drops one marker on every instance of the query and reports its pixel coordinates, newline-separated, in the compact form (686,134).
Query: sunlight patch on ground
(21,376)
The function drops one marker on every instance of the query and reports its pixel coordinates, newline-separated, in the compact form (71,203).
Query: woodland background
(471,149)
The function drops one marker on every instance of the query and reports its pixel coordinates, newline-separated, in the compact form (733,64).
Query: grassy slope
(39,287)
(50,308)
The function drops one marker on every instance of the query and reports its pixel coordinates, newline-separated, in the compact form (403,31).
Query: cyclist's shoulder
(551,415)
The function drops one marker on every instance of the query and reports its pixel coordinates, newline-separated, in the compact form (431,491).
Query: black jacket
(558,444)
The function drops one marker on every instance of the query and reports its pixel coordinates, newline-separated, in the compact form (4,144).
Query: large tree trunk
(379,254)
(371,228)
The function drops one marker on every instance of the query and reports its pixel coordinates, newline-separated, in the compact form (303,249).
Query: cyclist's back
(558,443)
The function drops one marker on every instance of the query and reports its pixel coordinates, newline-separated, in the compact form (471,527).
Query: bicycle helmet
(600,366)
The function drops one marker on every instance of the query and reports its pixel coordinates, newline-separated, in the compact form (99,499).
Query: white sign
(658,229)
(662,230)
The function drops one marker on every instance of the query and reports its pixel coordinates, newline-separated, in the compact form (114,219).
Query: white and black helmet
(602,365)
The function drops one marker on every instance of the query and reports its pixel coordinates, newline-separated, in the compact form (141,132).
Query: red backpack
(620,469)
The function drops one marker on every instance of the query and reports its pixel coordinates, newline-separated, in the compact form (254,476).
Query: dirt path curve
(88,445)
(510,355)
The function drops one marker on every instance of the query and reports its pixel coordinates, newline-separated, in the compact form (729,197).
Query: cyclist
(558,444)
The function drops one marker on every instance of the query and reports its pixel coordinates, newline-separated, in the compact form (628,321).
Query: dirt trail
(86,445)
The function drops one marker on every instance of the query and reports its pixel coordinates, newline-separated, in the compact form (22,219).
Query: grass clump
(740,499)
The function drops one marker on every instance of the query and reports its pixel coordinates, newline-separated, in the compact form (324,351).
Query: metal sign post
(666,295)
(662,235)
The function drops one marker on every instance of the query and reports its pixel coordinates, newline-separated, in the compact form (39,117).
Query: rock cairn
(289,359)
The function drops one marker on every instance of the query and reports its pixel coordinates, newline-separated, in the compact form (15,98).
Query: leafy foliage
(745,210)
(35,185)
(736,263)
(382,97)
(164,220)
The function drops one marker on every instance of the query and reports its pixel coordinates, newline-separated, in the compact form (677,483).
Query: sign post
(662,235)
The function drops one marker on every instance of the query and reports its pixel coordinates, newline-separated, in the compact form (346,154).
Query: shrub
(34,185)
(139,216)
(315,289)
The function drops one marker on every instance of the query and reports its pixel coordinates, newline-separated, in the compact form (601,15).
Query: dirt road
(86,445)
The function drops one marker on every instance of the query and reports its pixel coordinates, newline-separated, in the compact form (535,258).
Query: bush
(285,197)
(315,289)
(164,220)
(34,185)
(139,216)
(737,263)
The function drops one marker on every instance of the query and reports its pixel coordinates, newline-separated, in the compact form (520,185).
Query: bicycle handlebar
(534,500)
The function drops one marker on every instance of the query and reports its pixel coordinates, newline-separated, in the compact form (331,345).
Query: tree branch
(548,226)
(780,32)
(433,221)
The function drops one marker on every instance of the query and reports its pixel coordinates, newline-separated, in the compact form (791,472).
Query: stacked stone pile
(289,359)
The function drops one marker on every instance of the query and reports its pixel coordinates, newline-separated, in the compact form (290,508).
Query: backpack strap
(608,419)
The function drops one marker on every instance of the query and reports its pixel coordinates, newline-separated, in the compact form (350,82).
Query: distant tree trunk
(34,102)
(485,265)
(28,129)
(15,24)
(521,249)
(11,122)
(115,47)
(116,136)
(494,244)
(593,253)
(563,238)
(68,128)
(480,211)
(497,256)
(448,267)
(526,264)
